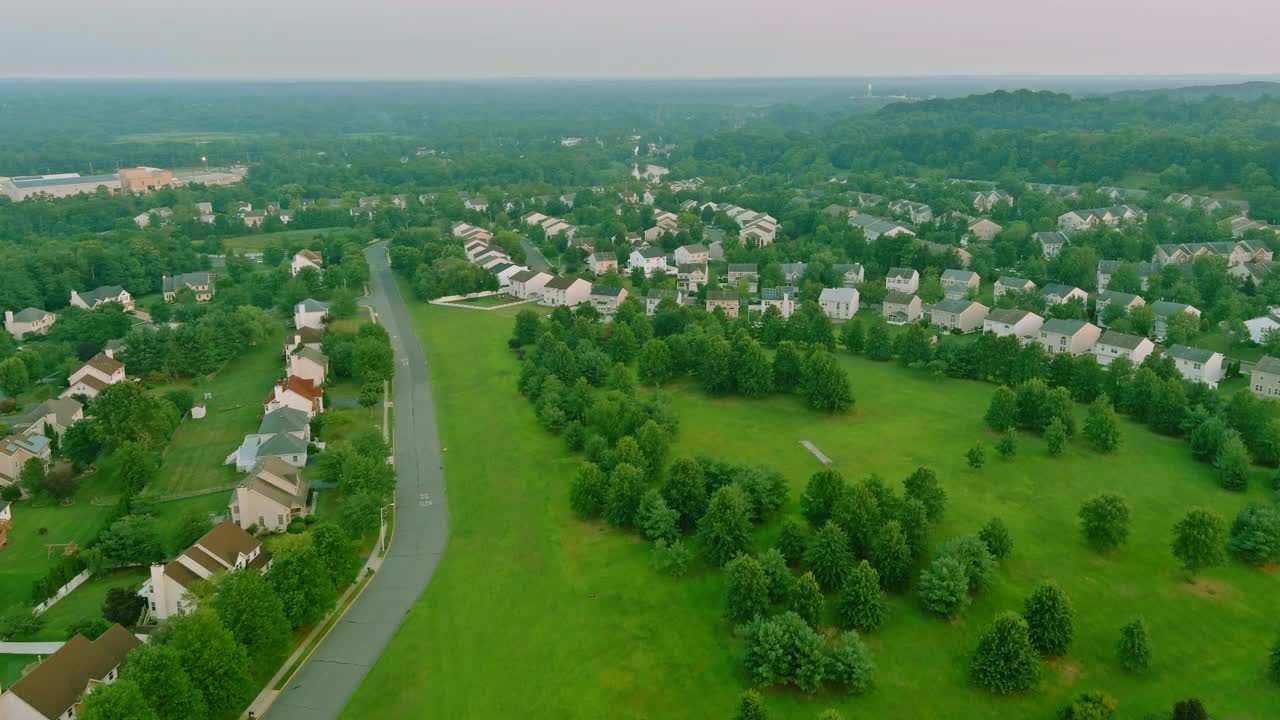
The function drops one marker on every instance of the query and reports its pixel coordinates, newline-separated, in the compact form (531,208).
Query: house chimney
(8,317)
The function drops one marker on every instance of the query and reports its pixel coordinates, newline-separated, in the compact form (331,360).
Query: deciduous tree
(1005,661)
(1104,519)
(1199,540)
(1133,653)
(1050,619)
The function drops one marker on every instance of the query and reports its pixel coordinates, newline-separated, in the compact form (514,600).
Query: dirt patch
(1066,669)
(1271,568)
(1210,589)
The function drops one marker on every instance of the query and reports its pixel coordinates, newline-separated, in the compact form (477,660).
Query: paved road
(321,689)
(533,257)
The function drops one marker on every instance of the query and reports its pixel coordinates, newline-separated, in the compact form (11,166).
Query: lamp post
(382,528)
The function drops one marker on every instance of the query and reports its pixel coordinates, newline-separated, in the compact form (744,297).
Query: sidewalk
(30,648)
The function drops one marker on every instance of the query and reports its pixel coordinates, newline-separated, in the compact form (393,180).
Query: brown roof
(283,470)
(224,543)
(93,382)
(58,682)
(105,364)
(311,255)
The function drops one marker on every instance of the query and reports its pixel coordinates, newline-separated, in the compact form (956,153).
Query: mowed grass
(193,460)
(11,667)
(85,602)
(534,613)
(257,241)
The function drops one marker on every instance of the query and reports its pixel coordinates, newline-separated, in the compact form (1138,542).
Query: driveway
(320,690)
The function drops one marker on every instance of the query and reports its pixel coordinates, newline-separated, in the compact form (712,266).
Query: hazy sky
(443,39)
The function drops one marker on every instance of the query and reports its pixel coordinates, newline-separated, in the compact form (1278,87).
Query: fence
(63,591)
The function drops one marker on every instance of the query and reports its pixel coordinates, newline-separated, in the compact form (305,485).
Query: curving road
(321,689)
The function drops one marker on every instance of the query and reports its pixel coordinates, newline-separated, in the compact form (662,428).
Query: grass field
(11,667)
(193,460)
(257,241)
(85,602)
(537,614)
(184,136)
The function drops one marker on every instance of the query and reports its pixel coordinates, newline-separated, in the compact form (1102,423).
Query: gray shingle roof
(1191,354)
(1062,327)
(1008,316)
(1120,340)
(1268,365)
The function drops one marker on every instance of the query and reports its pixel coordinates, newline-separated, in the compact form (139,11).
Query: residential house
(988,200)
(959,314)
(1112,345)
(1128,301)
(741,271)
(297,393)
(1077,220)
(284,433)
(1118,193)
(55,689)
(727,300)
(839,303)
(310,313)
(474,203)
(170,590)
(792,272)
(1070,336)
(691,276)
(504,273)
(835,210)
(1256,272)
(305,259)
(94,376)
(270,497)
(1237,252)
(204,213)
(851,275)
(901,308)
(1064,192)
(163,217)
(32,321)
(17,450)
(695,253)
(99,296)
(199,283)
(309,364)
(651,259)
(759,233)
(602,262)
(302,337)
(1198,364)
(1261,327)
(657,295)
(914,211)
(1144,270)
(529,284)
(1059,294)
(959,283)
(1051,243)
(607,300)
(1163,309)
(567,291)
(904,280)
(1009,283)
(1012,321)
(1264,380)
(984,229)
(941,250)
(873,227)
(50,418)
(1207,204)
(783,298)
(469,232)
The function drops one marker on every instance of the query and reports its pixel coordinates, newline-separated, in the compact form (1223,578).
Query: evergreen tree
(1255,534)
(685,491)
(1232,464)
(1134,655)
(1008,444)
(1190,709)
(828,556)
(1208,438)
(944,587)
(750,705)
(891,557)
(824,384)
(754,375)
(806,600)
(849,663)
(1101,427)
(746,589)
(715,368)
(1199,540)
(1055,437)
(852,336)
(778,574)
(1005,661)
(587,490)
(1002,413)
(923,485)
(879,344)
(861,603)
(976,457)
(793,541)
(622,500)
(656,521)
(997,539)
(1090,706)
(655,367)
(725,529)
(823,491)
(786,367)
(1050,619)
(1104,519)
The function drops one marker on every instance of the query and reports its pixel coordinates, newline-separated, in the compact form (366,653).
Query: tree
(849,663)
(302,583)
(997,539)
(1090,706)
(944,587)
(193,523)
(923,485)
(784,650)
(1050,619)
(1003,411)
(715,368)
(806,599)
(1232,464)
(215,662)
(1104,519)
(828,556)
(753,373)
(793,540)
(655,519)
(249,608)
(338,552)
(1005,661)
(861,603)
(821,493)
(786,367)
(123,606)
(587,490)
(1008,444)
(138,466)
(1273,661)
(852,336)
(361,513)
(90,627)
(622,499)
(1255,534)
(80,444)
(1055,436)
(528,328)
(746,589)
(32,476)
(1101,427)
(655,366)
(1134,655)
(1208,437)
(370,395)
(124,412)
(1199,540)
(725,529)
(13,376)
(750,707)
(976,457)
(824,384)
(1190,709)
(120,700)
(879,345)
(891,556)
(685,491)
(778,575)
(158,671)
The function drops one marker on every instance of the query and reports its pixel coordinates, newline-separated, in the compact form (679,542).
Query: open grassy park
(255,242)
(534,613)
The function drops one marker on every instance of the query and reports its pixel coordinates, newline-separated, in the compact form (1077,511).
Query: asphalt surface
(326,682)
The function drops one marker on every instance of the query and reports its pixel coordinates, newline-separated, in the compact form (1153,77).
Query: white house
(657,295)
(1008,283)
(94,376)
(691,276)
(1011,321)
(562,290)
(695,253)
(99,296)
(1077,220)
(1261,326)
(602,262)
(528,284)
(1112,345)
(306,259)
(270,497)
(227,547)
(32,321)
(53,690)
(309,364)
(783,298)
(959,283)
(310,313)
(1198,364)
(1264,380)
(903,280)
(839,303)
(17,450)
(297,393)
(652,259)
(1068,336)
(199,283)
(50,418)
(1059,294)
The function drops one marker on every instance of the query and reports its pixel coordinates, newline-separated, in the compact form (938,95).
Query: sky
(471,39)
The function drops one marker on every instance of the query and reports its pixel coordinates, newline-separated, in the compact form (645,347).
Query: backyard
(525,587)
(255,242)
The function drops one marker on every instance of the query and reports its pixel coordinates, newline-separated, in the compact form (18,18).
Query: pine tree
(793,540)
(754,375)
(861,603)
(746,589)
(806,599)
(828,556)
(879,345)
(1101,427)
(923,485)
(725,529)
(622,500)
(892,556)
(1232,464)
(1050,619)
(944,587)
(587,490)
(786,367)
(997,539)
(820,496)
(852,336)
(750,707)
(1104,519)
(1133,652)
(1005,662)
(1055,437)
(1008,444)
(976,457)
(778,574)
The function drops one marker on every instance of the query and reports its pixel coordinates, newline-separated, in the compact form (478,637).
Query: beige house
(1051,243)
(959,283)
(851,275)
(657,295)
(50,418)
(606,300)
(959,314)
(226,547)
(100,296)
(199,283)
(271,497)
(1070,336)
(1077,220)
(32,321)
(783,298)
(903,280)
(741,271)
(310,313)
(17,450)
(984,229)
(602,262)
(1164,309)
(309,364)
(1236,253)
(695,253)
(300,338)
(529,284)
(94,376)
(1128,301)
(1107,268)
(1059,294)
(1112,345)
(725,299)
(568,291)
(1264,380)
(1008,283)
(470,232)
(1198,364)
(901,308)
(839,303)
(55,688)
(691,276)
(306,259)
(986,201)
(297,393)
(1011,321)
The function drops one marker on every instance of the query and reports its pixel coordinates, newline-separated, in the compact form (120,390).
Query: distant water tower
(868,89)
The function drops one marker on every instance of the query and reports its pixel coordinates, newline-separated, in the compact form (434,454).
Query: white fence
(63,591)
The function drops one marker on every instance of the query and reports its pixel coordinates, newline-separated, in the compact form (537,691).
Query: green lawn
(11,667)
(534,613)
(85,602)
(193,460)
(254,242)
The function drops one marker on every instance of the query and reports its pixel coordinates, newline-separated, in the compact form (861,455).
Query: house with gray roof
(199,283)
(1059,294)
(1198,365)
(960,283)
(100,296)
(903,280)
(1264,379)
(31,321)
(1009,283)
(851,274)
(959,314)
(310,313)
(726,300)
(900,308)
(1144,270)
(1068,336)
(873,227)
(1112,345)
(1163,310)
(657,295)
(839,303)
(783,298)
(1012,321)
(606,299)
(284,433)
(1051,243)
(1128,301)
